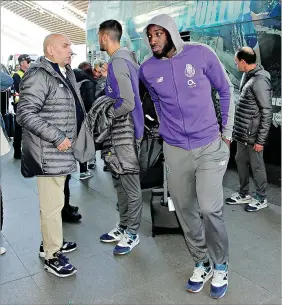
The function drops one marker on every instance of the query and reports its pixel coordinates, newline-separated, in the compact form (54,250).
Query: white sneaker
(219,284)
(113,236)
(2,250)
(237,198)
(127,243)
(200,276)
(85,175)
(256,204)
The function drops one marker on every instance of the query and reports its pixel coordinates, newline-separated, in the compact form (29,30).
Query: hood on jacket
(259,70)
(169,24)
(126,54)
(81,75)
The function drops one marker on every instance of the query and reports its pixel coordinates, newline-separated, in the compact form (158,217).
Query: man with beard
(179,78)
(122,85)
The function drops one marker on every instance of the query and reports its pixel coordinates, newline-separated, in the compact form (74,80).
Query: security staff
(24,62)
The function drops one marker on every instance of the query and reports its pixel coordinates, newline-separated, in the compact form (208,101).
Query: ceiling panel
(48,20)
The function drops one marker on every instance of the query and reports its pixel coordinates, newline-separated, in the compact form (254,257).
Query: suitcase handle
(165,185)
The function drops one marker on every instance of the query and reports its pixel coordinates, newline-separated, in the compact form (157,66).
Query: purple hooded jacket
(181,89)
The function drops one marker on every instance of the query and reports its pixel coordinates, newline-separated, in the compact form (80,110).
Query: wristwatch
(228,138)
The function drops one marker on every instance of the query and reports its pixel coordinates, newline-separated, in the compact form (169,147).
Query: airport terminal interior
(157,270)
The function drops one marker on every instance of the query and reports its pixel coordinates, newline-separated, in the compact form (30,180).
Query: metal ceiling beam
(48,20)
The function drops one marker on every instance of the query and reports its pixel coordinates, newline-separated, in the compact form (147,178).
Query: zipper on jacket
(73,99)
(177,99)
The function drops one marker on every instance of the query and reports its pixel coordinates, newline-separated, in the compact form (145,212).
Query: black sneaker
(59,265)
(92,165)
(70,216)
(67,247)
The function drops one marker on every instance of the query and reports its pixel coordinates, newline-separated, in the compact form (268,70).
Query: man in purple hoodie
(180,78)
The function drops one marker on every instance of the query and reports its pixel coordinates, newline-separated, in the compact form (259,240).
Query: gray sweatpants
(130,201)
(246,156)
(195,181)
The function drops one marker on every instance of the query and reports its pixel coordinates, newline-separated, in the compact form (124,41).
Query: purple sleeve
(219,79)
(151,91)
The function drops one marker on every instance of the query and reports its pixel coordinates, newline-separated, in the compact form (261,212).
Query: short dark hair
(113,27)
(84,65)
(247,54)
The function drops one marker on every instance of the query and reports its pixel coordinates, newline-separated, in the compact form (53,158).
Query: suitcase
(163,220)
(9,120)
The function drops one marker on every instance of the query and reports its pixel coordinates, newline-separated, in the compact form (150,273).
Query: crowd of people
(55,99)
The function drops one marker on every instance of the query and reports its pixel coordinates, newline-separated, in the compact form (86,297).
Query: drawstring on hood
(169,24)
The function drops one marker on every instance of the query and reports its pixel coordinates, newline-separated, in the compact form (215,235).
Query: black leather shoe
(70,216)
(71,208)
(105,169)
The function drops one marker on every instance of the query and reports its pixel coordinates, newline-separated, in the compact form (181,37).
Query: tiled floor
(154,273)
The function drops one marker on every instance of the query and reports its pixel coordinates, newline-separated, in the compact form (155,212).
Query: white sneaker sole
(2,250)
(43,254)
(84,178)
(206,279)
(263,206)
(239,202)
(48,269)
(124,253)
(220,296)
(110,241)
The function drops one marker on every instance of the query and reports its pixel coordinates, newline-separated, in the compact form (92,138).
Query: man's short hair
(113,29)
(99,62)
(247,54)
(85,65)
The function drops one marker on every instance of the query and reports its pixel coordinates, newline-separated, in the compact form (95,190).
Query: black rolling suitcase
(163,220)
(9,120)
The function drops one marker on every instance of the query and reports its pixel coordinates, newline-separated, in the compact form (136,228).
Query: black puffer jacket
(47,112)
(253,113)
(120,149)
(87,87)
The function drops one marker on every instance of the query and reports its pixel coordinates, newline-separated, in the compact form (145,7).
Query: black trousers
(67,191)
(83,167)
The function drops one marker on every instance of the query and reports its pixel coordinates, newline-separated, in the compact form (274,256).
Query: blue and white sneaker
(67,247)
(238,198)
(59,265)
(127,243)
(113,236)
(256,204)
(219,284)
(201,275)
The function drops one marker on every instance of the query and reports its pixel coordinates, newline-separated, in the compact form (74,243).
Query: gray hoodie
(123,85)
